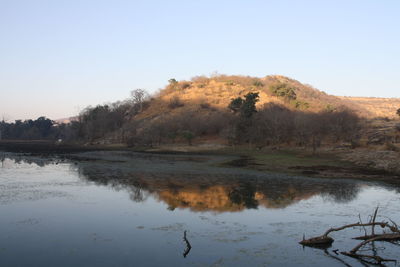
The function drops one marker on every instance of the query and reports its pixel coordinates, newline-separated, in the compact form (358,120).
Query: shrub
(175,102)
(205,105)
(172,81)
(188,135)
(258,83)
(283,90)
(185,85)
(301,104)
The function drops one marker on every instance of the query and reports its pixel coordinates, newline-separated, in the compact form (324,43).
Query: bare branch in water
(188,246)
(324,240)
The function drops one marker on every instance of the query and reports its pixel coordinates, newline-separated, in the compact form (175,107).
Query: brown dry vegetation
(217,92)
(378,107)
(199,107)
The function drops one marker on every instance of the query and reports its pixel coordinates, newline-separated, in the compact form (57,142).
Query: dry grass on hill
(379,107)
(207,93)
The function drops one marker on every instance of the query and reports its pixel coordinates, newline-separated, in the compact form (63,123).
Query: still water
(131,209)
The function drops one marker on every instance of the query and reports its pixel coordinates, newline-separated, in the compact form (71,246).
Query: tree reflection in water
(221,193)
(215,192)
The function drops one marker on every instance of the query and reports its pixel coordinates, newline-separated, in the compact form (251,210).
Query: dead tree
(325,241)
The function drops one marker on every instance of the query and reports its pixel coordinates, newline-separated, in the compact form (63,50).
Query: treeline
(104,122)
(272,125)
(241,123)
(39,129)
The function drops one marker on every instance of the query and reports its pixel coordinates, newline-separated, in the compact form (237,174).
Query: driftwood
(188,246)
(325,241)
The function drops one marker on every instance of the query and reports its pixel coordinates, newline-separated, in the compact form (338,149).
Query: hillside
(218,91)
(378,107)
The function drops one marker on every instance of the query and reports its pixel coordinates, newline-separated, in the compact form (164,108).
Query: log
(319,241)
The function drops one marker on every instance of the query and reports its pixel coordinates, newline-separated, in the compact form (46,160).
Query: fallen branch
(382,237)
(325,241)
(362,257)
(373,220)
(381,224)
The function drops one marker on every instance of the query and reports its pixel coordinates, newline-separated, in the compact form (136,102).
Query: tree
(188,135)
(246,106)
(236,104)
(249,105)
(398,112)
(172,81)
(138,97)
(44,126)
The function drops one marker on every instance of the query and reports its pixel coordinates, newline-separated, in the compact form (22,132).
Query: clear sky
(57,56)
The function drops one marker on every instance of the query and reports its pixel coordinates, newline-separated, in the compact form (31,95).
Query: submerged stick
(188,246)
(361,257)
(382,237)
(373,220)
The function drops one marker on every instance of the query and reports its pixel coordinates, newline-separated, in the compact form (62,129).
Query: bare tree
(139,96)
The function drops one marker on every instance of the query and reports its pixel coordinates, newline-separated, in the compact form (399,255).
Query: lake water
(131,209)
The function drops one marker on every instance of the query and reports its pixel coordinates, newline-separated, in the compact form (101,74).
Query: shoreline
(326,164)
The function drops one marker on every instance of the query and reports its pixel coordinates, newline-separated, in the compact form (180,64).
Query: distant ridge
(66,120)
(378,106)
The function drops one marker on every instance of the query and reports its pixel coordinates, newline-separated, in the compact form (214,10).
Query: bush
(185,85)
(188,135)
(258,83)
(283,90)
(175,102)
(205,105)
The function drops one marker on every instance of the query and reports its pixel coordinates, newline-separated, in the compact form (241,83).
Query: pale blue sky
(58,56)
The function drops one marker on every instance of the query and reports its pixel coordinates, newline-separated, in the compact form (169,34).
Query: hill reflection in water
(224,194)
(217,191)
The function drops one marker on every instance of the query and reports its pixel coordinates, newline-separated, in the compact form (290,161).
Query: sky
(57,57)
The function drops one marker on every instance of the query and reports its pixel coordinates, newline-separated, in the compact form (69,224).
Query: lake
(132,209)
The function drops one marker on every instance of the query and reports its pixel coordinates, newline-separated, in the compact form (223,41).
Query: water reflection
(222,194)
(104,227)
(215,191)
(219,192)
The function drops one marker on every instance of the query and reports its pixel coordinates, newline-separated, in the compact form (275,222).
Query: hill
(377,107)
(218,91)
